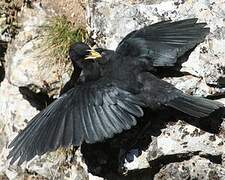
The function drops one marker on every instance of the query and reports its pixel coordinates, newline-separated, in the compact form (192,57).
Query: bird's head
(81,53)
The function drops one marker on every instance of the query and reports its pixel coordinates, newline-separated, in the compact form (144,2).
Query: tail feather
(195,106)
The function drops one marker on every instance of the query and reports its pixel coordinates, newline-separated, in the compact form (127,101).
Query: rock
(195,168)
(178,142)
(182,138)
(28,61)
(3,36)
(205,64)
(15,112)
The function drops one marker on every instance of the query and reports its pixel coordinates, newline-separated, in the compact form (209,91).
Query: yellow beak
(93,54)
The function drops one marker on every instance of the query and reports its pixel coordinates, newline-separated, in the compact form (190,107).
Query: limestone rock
(28,59)
(180,141)
(205,64)
(182,138)
(194,168)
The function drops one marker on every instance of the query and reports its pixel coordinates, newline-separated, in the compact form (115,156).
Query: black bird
(113,88)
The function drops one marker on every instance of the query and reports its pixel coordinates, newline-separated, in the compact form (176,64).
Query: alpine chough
(113,88)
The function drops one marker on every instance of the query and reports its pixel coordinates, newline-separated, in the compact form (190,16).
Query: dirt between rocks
(74,10)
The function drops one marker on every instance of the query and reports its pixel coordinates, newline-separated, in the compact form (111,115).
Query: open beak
(93,55)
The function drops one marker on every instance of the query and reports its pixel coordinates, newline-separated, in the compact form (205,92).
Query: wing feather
(89,112)
(163,43)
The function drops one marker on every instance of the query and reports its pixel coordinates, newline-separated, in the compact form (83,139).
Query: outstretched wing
(162,43)
(89,112)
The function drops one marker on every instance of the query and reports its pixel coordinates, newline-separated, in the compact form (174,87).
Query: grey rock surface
(28,60)
(195,168)
(180,146)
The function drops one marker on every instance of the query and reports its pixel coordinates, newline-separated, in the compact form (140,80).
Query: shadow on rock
(38,100)
(106,159)
(3,48)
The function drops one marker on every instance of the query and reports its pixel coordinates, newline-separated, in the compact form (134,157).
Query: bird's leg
(124,152)
(139,135)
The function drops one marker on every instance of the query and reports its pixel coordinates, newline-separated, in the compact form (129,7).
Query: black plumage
(113,88)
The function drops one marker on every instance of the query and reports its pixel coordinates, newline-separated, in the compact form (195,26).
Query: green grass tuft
(60,35)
